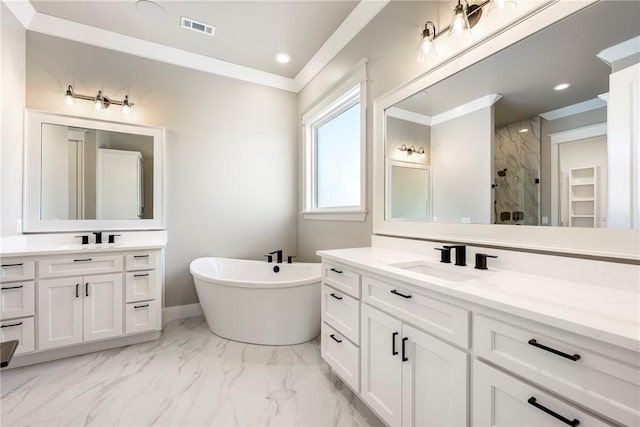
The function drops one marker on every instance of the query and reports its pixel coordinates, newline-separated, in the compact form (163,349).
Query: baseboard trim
(181,311)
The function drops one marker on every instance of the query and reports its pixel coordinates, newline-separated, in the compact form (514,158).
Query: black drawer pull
(141,275)
(86,289)
(82,260)
(404,343)
(532,401)
(336,271)
(393,343)
(574,357)
(399,294)
(11,287)
(13,265)
(335,339)
(13,324)
(336,296)
(77,290)
(141,256)
(141,306)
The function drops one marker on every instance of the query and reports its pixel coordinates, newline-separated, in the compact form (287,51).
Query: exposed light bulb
(503,4)
(126,106)
(68,98)
(426,46)
(458,24)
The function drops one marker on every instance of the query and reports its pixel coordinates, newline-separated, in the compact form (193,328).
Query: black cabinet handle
(86,289)
(13,324)
(399,294)
(336,296)
(11,287)
(336,271)
(13,265)
(404,343)
(532,401)
(77,290)
(141,306)
(82,260)
(141,275)
(141,256)
(393,343)
(335,339)
(574,357)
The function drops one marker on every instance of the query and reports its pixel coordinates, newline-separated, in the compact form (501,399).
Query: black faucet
(461,254)
(278,254)
(98,235)
(85,239)
(445,254)
(481,261)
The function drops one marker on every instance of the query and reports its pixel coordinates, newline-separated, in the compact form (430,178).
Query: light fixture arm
(470,11)
(100,97)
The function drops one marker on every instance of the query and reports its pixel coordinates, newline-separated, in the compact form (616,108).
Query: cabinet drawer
(79,264)
(17,300)
(603,378)
(501,400)
(436,317)
(342,312)
(342,279)
(142,285)
(22,330)
(142,317)
(342,355)
(142,260)
(16,269)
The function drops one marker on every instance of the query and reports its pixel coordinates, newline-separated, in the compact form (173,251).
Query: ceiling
(525,73)
(248,33)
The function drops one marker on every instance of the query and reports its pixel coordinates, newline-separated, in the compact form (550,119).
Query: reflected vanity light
(524,130)
(465,17)
(410,150)
(100,101)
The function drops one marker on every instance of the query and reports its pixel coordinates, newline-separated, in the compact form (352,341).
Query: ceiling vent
(199,27)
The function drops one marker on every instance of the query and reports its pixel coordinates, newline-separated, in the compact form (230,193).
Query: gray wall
(401,132)
(12,49)
(391,42)
(231,148)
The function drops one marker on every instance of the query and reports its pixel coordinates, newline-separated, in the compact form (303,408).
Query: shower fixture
(100,101)
(503,172)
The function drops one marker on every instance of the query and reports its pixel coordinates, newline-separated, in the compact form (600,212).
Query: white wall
(461,170)
(56,182)
(12,90)
(231,148)
(391,42)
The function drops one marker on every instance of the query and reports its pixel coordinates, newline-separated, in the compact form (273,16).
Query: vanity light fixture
(502,4)
(100,101)
(460,22)
(412,149)
(428,34)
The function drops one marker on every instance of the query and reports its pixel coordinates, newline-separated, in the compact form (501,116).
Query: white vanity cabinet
(79,309)
(17,303)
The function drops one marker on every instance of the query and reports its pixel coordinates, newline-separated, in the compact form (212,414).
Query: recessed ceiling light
(523,130)
(561,86)
(283,58)
(149,8)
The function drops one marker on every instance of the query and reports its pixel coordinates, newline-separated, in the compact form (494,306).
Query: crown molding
(620,51)
(359,17)
(580,107)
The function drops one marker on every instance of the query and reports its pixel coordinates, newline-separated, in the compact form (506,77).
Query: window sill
(335,215)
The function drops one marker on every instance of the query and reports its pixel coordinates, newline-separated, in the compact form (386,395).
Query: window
(335,155)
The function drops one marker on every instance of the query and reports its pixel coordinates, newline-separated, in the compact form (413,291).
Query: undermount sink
(447,272)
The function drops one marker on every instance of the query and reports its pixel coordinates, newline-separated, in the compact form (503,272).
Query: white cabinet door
(434,382)
(501,400)
(103,301)
(59,312)
(381,362)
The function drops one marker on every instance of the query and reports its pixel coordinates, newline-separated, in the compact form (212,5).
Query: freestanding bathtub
(247,301)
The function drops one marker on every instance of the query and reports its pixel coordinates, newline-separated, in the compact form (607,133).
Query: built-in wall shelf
(583,197)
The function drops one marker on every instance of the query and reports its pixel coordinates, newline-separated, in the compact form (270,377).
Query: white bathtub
(247,301)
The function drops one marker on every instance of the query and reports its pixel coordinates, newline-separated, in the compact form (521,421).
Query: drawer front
(342,279)
(142,285)
(501,400)
(597,379)
(147,260)
(79,264)
(22,330)
(342,355)
(342,312)
(443,320)
(13,270)
(142,317)
(17,299)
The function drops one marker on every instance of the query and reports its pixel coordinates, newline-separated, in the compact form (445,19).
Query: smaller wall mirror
(90,175)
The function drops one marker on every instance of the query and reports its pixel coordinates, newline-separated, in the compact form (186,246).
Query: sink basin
(440,272)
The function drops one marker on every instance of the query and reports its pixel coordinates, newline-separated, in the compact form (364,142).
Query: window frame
(346,94)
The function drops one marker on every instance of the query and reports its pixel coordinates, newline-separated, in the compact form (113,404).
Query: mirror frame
(601,242)
(32,178)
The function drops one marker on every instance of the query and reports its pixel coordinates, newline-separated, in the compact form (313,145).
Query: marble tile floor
(189,377)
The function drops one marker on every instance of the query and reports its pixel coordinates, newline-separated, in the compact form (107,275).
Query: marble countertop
(605,314)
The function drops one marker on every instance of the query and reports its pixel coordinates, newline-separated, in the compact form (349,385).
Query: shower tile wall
(517,194)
